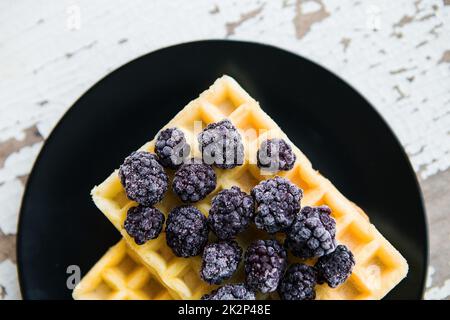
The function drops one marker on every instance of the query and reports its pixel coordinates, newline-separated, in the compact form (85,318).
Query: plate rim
(60,122)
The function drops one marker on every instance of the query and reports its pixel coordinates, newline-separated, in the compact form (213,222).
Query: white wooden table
(396,53)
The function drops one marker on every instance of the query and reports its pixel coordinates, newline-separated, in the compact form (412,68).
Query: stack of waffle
(152,271)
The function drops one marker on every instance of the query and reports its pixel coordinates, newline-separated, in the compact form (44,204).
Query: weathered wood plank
(396,53)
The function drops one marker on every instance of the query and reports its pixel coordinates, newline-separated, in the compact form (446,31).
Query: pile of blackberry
(273,206)
(310,233)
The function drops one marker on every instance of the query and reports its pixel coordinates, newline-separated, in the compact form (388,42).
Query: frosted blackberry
(186,231)
(143,223)
(231,292)
(277,203)
(220,261)
(265,263)
(275,154)
(336,267)
(143,178)
(298,283)
(194,181)
(171,147)
(221,144)
(230,213)
(312,233)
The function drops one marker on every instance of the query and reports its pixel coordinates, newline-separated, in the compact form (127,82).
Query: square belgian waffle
(379,266)
(120,275)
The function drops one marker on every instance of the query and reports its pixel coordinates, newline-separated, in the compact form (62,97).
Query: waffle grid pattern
(120,275)
(379,266)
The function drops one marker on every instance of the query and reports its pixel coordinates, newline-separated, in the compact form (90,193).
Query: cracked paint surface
(30,136)
(304,19)
(445,57)
(396,53)
(7,247)
(232,26)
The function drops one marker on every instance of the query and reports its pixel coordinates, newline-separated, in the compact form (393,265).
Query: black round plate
(340,132)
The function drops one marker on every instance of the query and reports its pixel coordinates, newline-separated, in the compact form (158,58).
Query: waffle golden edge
(379,266)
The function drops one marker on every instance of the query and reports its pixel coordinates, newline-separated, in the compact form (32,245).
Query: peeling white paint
(45,126)
(48,75)
(49,66)
(439,293)
(10,197)
(19,163)
(310,7)
(8,280)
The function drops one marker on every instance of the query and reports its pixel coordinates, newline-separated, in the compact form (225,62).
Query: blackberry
(336,267)
(221,144)
(312,233)
(277,202)
(186,231)
(298,283)
(230,213)
(143,178)
(275,154)
(171,148)
(143,223)
(231,292)
(265,263)
(220,261)
(194,181)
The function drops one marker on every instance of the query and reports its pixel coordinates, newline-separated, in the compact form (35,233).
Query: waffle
(120,275)
(379,266)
